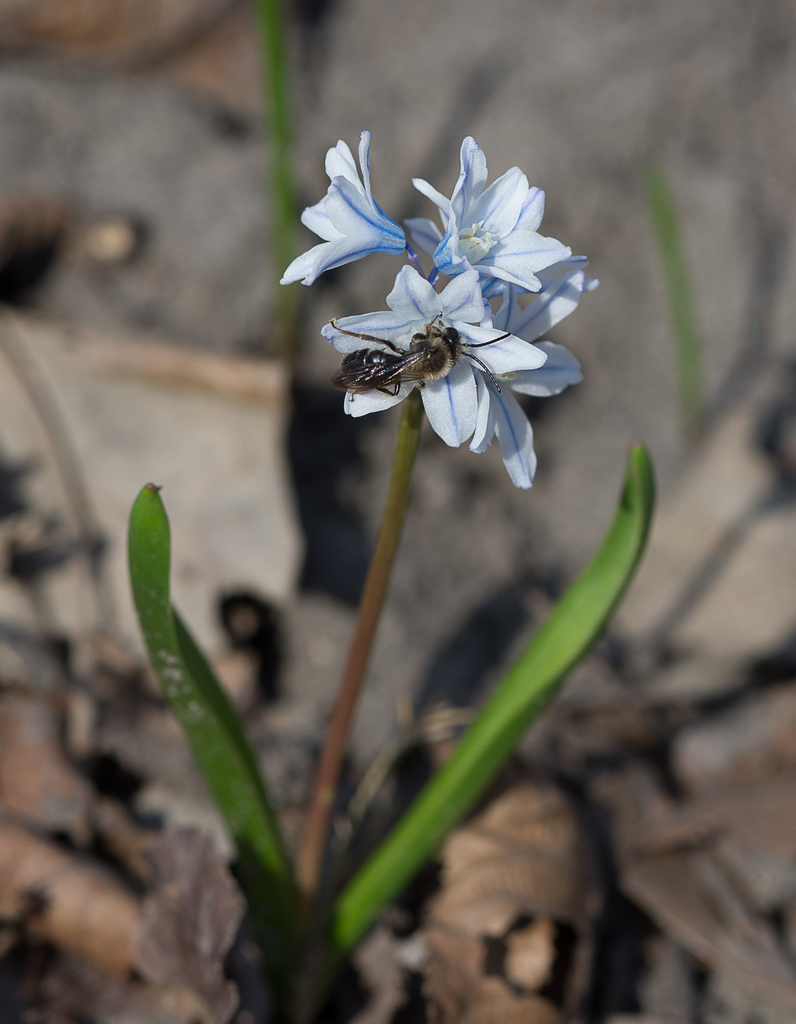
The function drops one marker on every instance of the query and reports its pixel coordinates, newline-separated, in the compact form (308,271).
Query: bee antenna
(480,344)
(484,366)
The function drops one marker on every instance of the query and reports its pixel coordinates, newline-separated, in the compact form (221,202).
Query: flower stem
(310,859)
(414,259)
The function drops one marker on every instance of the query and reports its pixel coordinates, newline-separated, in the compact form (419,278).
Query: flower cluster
(447,341)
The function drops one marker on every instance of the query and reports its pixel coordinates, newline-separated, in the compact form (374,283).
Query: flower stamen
(475,243)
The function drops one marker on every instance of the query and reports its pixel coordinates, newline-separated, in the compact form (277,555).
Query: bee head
(447,337)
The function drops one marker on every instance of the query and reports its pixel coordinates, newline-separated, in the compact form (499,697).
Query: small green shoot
(282,211)
(681,302)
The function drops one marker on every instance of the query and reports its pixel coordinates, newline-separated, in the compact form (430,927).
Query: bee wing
(361,379)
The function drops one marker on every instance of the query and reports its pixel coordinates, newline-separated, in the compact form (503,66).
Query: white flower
(492,230)
(499,412)
(451,402)
(348,218)
(465,360)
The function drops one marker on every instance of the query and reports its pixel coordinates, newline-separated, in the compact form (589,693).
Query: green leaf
(682,312)
(214,733)
(560,643)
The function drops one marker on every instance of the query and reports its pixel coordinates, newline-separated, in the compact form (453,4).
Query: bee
(432,354)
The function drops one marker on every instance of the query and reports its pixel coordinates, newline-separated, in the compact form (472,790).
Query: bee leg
(421,383)
(366,337)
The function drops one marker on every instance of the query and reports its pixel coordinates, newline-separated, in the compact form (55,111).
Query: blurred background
(137,344)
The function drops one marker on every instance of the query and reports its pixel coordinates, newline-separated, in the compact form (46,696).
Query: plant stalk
(311,855)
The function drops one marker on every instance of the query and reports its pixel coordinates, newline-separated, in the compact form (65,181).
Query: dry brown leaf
(190,922)
(453,972)
(691,898)
(80,907)
(694,894)
(381,971)
(223,65)
(643,1018)
(122,836)
(80,719)
(107,30)
(37,783)
(15,908)
(636,802)
(521,856)
(163,362)
(505,1008)
(78,992)
(530,954)
(752,742)
(758,817)
(511,879)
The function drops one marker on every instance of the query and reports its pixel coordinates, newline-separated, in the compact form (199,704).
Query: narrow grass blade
(681,301)
(560,643)
(282,211)
(213,732)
